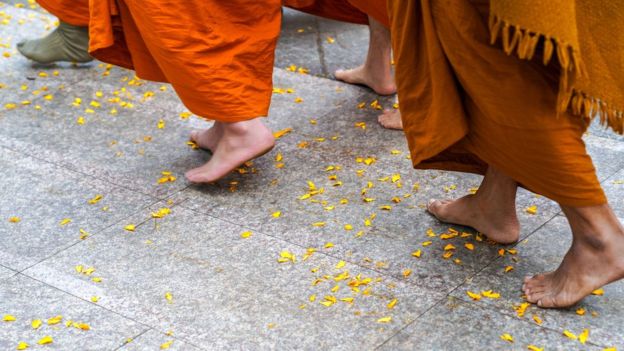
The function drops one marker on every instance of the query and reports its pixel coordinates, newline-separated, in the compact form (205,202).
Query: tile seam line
(95,233)
(132,337)
(81,299)
(82,173)
(159,332)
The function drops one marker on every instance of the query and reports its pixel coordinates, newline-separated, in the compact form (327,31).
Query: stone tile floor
(190,281)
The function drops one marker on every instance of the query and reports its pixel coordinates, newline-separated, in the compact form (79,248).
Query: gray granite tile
(41,195)
(27,300)
(153,340)
(457,325)
(606,154)
(614,188)
(228,291)
(298,42)
(543,252)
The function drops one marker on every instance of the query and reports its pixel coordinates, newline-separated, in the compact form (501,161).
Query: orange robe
(465,104)
(74,12)
(354,11)
(218,55)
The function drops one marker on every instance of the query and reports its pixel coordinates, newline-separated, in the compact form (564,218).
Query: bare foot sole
(391,119)
(583,270)
(207,139)
(498,225)
(232,150)
(381,83)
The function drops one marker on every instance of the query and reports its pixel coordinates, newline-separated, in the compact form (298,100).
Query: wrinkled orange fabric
(218,55)
(74,12)
(465,104)
(354,11)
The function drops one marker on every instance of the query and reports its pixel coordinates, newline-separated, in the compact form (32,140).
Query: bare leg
(594,259)
(376,72)
(491,211)
(208,138)
(391,119)
(239,143)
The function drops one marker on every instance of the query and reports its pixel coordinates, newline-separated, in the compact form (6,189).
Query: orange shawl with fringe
(586,37)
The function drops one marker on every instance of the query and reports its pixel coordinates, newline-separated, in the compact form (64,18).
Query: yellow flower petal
(598,292)
(166,345)
(8,318)
(570,335)
(392,303)
(35,324)
(531,210)
(507,337)
(474,296)
(45,340)
(55,320)
(582,338)
(385,320)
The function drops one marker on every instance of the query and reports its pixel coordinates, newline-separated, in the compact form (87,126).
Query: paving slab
(153,340)
(456,324)
(41,196)
(227,291)
(27,300)
(542,252)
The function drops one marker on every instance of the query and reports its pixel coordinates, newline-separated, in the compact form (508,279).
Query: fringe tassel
(589,107)
(525,42)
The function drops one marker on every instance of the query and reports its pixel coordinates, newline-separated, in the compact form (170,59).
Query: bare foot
(380,80)
(391,119)
(594,259)
(499,224)
(208,138)
(240,142)
(491,211)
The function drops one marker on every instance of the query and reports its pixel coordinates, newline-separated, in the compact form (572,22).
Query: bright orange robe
(465,104)
(74,12)
(218,55)
(354,11)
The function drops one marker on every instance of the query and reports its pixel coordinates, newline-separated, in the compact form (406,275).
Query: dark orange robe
(465,104)
(218,55)
(354,11)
